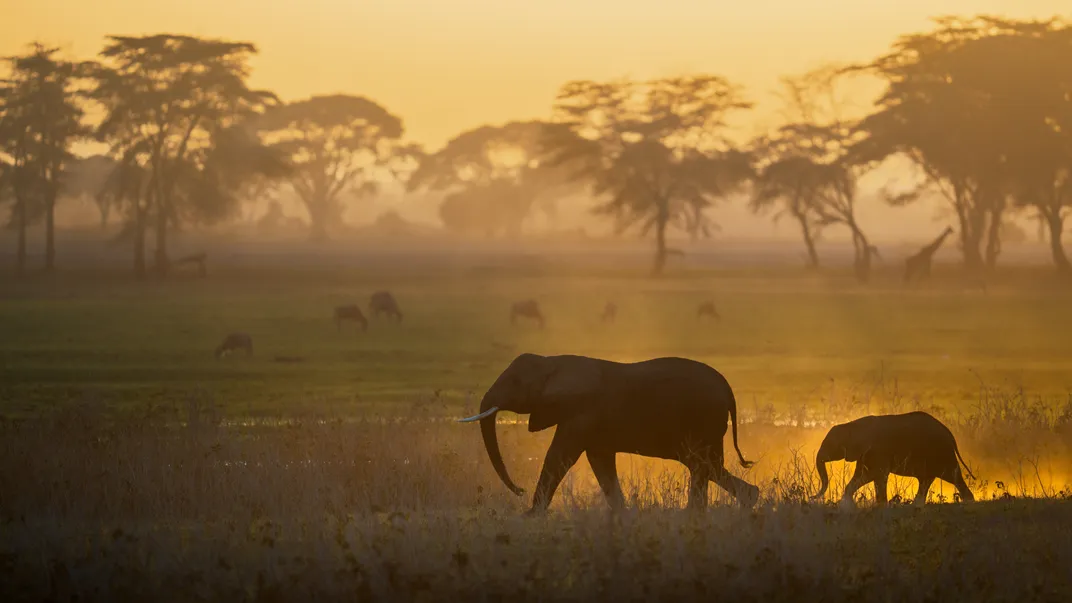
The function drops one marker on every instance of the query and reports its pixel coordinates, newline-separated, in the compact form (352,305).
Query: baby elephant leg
(860,478)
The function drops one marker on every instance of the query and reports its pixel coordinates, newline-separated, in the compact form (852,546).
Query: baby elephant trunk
(824,478)
(821,459)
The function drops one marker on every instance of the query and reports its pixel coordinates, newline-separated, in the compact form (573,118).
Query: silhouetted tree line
(981,106)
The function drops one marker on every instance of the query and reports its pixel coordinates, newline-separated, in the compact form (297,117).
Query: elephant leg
(881,481)
(745,493)
(925,482)
(860,478)
(605,467)
(561,455)
(699,475)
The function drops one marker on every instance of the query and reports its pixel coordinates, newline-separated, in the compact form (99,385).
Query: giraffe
(918,266)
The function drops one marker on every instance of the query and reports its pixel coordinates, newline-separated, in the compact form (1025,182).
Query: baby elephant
(350,313)
(913,444)
(382,302)
(235,341)
(707,309)
(528,309)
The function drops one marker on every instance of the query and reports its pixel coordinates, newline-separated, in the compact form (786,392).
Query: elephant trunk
(487,415)
(491,444)
(825,455)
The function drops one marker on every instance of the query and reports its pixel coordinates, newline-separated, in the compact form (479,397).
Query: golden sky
(449,65)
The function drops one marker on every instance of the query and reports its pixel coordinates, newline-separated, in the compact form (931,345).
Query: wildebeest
(382,302)
(352,313)
(707,308)
(529,309)
(610,312)
(235,341)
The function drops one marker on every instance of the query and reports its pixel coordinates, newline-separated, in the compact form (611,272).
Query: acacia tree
(86,177)
(807,165)
(982,106)
(167,99)
(932,114)
(337,145)
(16,173)
(654,151)
(792,181)
(40,118)
(129,188)
(1023,69)
(493,176)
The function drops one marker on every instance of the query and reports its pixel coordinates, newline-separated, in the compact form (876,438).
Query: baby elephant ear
(572,387)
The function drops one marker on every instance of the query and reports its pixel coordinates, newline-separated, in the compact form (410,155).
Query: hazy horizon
(445,70)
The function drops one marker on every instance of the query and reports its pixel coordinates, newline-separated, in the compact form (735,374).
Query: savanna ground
(135,466)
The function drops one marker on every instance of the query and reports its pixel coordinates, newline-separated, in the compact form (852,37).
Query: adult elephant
(669,408)
(913,444)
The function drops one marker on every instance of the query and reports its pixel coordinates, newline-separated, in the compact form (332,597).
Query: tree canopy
(494,176)
(337,146)
(169,100)
(981,106)
(654,152)
(41,117)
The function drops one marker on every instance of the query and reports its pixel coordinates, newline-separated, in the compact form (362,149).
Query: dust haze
(277,317)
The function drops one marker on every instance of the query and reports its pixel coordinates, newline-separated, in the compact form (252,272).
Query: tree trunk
(993,235)
(660,244)
(862,255)
(20,253)
(809,242)
(971,221)
(969,242)
(1057,226)
(139,244)
(318,219)
(50,235)
(160,257)
(319,230)
(105,211)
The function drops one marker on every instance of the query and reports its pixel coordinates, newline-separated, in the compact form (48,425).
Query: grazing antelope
(382,302)
(527,309)
(235,341)
(610,312)
(707,309)
(351,313)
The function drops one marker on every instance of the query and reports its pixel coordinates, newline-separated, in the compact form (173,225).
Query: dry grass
(183,505)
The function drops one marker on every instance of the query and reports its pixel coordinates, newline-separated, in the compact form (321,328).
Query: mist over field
(561,302)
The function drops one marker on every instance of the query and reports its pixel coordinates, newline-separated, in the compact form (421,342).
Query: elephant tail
(956,449)
(733,419)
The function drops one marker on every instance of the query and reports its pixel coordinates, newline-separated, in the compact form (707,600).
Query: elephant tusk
(486,413)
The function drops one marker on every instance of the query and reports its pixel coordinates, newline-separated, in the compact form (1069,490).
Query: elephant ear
(857,441)
(573,387)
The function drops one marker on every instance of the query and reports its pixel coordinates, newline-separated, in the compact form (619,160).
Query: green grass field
(785,339)
(102,501)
